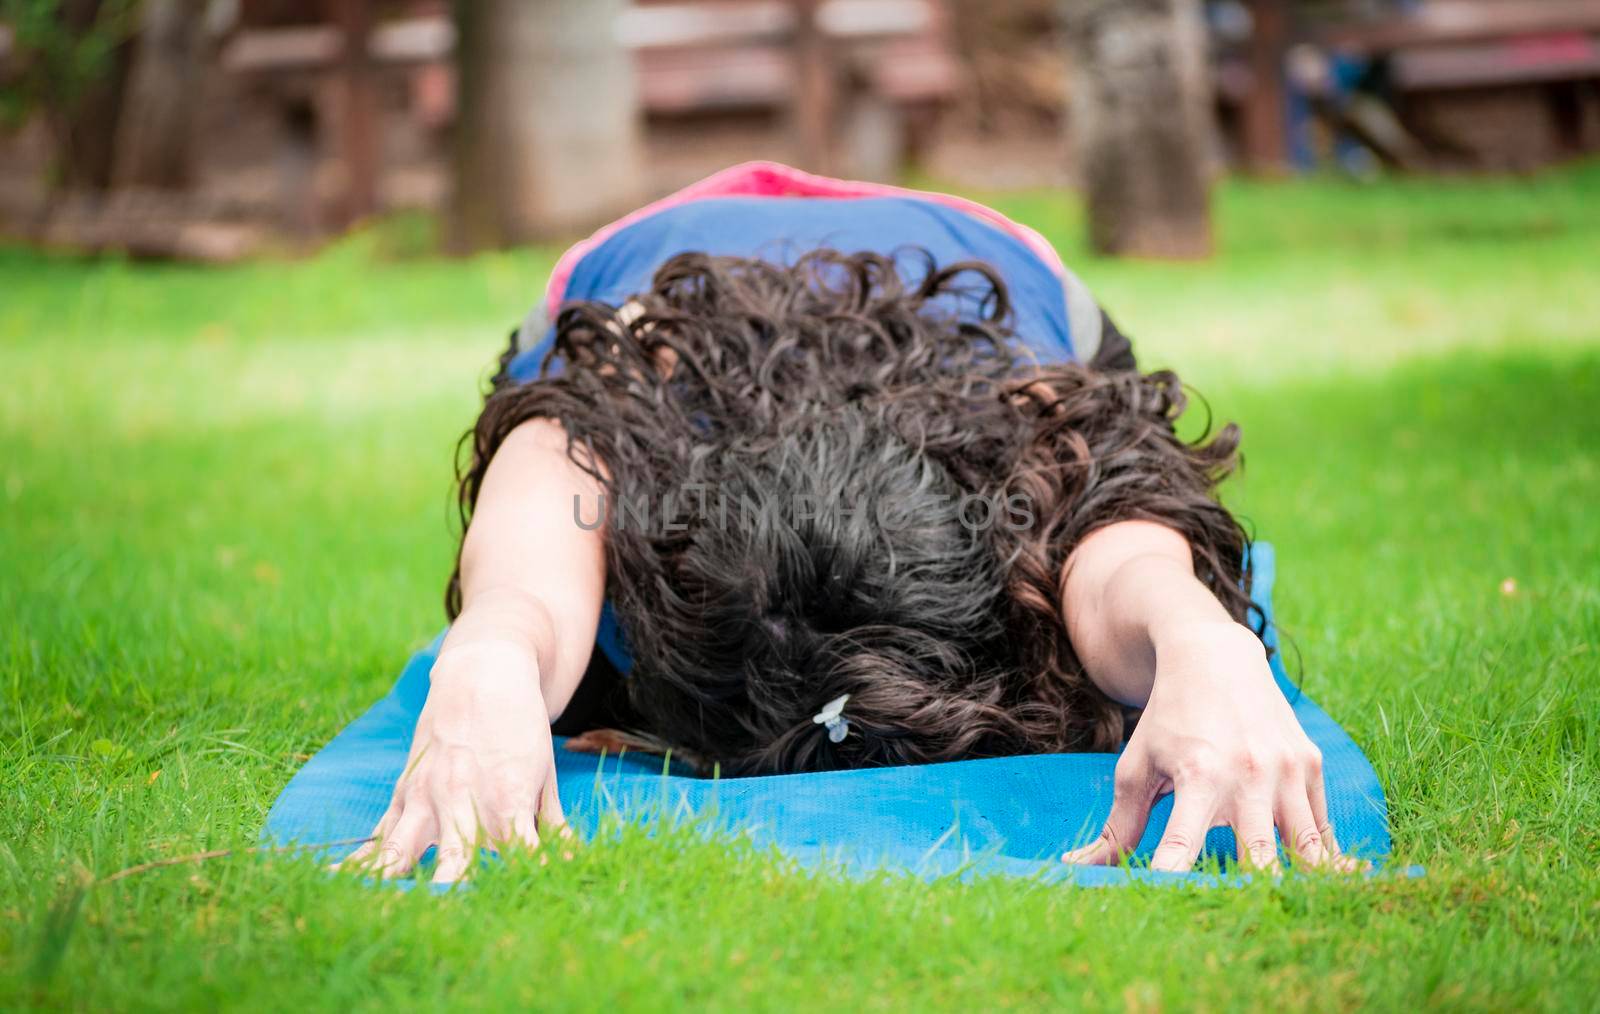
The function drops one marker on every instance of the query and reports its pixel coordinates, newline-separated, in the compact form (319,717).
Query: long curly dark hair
(810,397)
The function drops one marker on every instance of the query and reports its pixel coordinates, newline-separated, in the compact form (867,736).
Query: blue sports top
(1054,316)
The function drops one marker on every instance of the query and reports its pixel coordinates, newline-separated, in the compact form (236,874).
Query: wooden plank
(723,22)
(702,24)
(816,78)
(269,50)
(358,110)
(1496,64)
(709,23)
(305,48)
(1447,22)
(682,81)
(414,40)
(913,70)
(865,19)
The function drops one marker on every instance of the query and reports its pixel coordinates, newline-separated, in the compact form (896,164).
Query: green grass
(224,524)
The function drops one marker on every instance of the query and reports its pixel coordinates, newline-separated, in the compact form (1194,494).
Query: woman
(838,476)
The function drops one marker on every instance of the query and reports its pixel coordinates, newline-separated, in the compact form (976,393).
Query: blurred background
(216,129)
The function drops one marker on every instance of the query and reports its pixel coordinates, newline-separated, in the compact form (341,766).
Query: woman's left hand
(1219,735)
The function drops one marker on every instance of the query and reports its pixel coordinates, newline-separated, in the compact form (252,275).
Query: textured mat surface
(1011,815)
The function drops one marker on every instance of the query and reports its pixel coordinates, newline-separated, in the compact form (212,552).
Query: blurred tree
(72,58)
(547,133)
(154,136)
(1140,124)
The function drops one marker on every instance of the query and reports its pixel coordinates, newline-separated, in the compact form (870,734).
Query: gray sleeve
(1083,317)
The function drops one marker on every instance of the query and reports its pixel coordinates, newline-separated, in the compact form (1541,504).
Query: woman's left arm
(1216,731)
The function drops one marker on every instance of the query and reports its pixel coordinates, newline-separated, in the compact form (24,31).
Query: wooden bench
(1463,44)
(1499,84)
(1444,22)
(824,63)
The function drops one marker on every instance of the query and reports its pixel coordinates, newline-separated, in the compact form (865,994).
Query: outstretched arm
(530,574)
(532,580)
(1216,731)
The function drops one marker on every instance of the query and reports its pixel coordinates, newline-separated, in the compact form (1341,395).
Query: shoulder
(1113,350)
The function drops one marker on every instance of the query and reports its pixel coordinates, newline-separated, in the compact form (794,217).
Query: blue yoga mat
(1009,815)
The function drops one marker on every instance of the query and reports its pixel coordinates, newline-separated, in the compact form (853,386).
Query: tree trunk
(86,126)
(154,137)
(1141,124)
(547,134)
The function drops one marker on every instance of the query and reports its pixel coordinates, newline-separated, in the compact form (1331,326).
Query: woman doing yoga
(840,476)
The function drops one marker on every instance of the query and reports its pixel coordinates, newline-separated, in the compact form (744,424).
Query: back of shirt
(1054,316)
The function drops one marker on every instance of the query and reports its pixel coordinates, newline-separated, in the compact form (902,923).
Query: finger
(550,808)
(1193,808)
(1336,857)
(555,817)
(1317,795)
(1298,828)
(1252,835)
(459,833)
(525,829)
(1132,796)
(398,853)
(359,856)
(1120,836)
(364,851)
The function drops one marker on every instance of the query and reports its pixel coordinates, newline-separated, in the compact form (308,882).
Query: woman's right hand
(481,770)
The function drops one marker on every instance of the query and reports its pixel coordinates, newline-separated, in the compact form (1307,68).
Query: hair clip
(832,716)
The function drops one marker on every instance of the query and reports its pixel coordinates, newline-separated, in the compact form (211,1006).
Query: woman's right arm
(482,766)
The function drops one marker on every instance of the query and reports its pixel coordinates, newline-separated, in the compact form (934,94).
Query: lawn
(224,524)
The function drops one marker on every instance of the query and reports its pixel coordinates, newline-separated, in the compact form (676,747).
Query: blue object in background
(1009,815)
